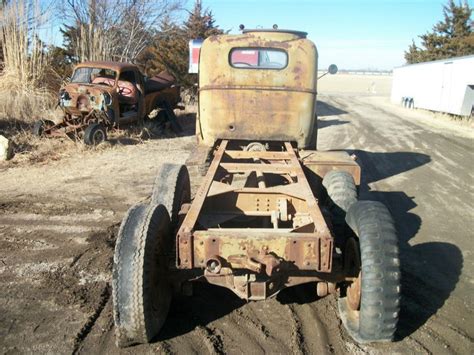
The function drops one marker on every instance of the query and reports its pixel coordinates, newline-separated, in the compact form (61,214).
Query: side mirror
(332,69)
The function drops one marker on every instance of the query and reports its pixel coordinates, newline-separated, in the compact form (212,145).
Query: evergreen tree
(200,24)
(170,50)
(71,35)
(60,61)
(451,37)
(167,52)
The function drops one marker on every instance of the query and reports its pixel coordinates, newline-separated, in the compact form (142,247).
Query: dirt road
(58,223)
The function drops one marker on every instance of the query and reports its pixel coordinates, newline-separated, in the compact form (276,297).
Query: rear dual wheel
(172,189)
(143,253)
(141,290)
(370,304)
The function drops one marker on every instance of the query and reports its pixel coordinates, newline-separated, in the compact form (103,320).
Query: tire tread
(380,287)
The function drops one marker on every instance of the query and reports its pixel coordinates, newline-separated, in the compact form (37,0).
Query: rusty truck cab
(258,85)
(121,83)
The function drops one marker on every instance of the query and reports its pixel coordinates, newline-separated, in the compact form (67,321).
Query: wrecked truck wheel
(95,134)
(40,126)
(172,188)
(141,291)
(370,304)
(173,120)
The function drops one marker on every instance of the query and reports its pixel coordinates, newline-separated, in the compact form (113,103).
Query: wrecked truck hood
(76,98)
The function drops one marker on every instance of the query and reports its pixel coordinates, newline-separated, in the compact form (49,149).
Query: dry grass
(29,149)
(26,76)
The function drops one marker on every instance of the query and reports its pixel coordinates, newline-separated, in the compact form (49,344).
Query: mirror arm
(323,75)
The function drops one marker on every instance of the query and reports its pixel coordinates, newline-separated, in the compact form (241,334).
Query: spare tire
(341,194)
(369,307)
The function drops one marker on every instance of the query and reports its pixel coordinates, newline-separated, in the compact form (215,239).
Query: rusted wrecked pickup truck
(104,95)
(271,212)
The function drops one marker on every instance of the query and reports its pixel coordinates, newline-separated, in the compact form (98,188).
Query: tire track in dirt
(297,339)
(53,270)
(89,324)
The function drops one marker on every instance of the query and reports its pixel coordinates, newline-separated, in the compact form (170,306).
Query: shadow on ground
(10,126)
(327,123)
(324,109)
(207,304)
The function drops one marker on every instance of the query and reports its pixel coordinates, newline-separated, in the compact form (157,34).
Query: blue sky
(354,34)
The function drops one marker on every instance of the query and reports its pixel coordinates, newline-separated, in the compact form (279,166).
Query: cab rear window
(258,58)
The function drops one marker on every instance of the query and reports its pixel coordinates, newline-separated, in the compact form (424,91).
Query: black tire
(376,318)
(175,125)
(341,194)
(39,127)
(95,134)
(171,189)
(141,292)
(167,115)
(341,189)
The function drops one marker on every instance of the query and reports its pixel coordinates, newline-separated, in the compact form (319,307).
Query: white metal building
(443,85)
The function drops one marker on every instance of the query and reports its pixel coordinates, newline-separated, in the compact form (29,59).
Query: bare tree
(114,30)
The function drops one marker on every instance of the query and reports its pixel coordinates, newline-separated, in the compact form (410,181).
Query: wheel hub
(352,264)
(353,294)
(98,137)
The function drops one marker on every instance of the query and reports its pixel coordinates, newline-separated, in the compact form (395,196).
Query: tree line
(144,32)
(148,33)
(453,36)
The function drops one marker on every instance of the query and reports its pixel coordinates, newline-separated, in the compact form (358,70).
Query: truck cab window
(258,58)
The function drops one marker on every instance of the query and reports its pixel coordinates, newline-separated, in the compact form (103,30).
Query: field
(59,220)
(356,84)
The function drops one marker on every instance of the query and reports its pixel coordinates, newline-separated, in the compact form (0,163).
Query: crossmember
(255,211)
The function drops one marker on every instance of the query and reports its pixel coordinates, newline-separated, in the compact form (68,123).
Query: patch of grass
(26,79)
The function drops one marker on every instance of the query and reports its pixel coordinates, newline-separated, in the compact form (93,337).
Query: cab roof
(300,34)
(117,66)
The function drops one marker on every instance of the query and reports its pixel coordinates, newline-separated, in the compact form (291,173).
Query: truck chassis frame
(256,240)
